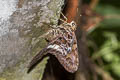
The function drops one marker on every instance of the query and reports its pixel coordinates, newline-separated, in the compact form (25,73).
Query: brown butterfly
(63,45)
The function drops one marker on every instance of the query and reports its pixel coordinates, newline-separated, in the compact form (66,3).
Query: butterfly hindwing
(67,58)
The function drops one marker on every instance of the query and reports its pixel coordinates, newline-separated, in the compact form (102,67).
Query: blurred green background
(104,41)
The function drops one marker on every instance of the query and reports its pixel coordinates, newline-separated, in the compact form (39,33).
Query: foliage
(105,43)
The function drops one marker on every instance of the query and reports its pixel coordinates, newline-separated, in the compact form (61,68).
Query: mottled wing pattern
(67,58)
(63,46)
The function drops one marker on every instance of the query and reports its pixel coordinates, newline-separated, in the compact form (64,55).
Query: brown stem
(70,10)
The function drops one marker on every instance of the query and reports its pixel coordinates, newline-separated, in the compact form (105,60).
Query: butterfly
(63,45)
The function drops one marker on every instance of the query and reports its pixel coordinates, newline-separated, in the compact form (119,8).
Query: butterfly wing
(69,60)
(63,47)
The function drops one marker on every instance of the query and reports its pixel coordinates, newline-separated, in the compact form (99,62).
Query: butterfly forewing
(63,46)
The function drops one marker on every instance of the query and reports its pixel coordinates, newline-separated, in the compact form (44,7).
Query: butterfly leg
(64,17)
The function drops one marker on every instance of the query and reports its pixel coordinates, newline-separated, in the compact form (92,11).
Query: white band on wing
(57,48)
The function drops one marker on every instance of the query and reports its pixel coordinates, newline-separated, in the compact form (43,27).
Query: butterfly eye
(73,24)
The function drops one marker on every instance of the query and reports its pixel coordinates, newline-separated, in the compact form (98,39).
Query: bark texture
(22,23)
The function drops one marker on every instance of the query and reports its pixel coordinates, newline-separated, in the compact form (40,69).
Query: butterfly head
(73,25)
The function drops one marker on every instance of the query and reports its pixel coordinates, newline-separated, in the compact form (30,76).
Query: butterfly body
(63,45)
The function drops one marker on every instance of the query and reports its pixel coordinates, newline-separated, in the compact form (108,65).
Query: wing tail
(36,59)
